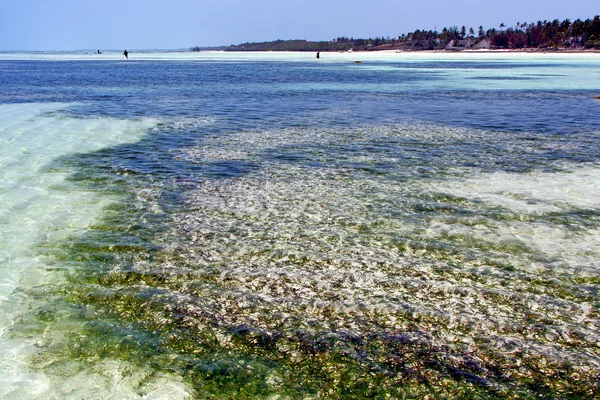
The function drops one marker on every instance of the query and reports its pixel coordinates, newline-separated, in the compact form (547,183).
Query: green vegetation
(545,35)
(295,284)
(291,45)
(434,321)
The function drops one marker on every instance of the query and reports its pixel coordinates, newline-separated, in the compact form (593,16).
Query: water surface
(254,225)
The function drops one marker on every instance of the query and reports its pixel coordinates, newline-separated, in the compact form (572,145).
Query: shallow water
(255,225)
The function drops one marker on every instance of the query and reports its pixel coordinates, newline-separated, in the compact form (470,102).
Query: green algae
(307,284)
(220,360)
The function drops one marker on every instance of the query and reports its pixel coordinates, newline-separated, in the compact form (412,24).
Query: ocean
(269,225)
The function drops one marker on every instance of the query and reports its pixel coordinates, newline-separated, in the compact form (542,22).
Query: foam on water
(37,207)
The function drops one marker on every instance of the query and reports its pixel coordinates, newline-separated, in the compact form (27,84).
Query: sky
(48,25)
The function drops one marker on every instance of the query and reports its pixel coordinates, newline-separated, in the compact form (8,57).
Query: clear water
(221,225)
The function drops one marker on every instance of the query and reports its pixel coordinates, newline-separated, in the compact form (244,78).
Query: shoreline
(326,56)
(503,51)
(378,51)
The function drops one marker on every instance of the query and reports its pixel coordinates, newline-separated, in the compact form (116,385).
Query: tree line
(578,34)
(556,34)
(289,45)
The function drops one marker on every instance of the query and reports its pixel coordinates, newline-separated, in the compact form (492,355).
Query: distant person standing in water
(318,54)
(126,54)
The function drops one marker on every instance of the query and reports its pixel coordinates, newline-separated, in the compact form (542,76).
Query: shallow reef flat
(271,226)
(365,278)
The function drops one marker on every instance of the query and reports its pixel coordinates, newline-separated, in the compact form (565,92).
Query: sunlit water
(271,225)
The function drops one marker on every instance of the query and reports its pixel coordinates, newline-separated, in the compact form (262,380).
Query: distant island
(542,35)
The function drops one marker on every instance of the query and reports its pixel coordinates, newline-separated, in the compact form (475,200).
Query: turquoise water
(232,225)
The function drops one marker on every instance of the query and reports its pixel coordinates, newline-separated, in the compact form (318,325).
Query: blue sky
(154,24)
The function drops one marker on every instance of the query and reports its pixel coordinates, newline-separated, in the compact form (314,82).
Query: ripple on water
(339,276)
(39,207)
